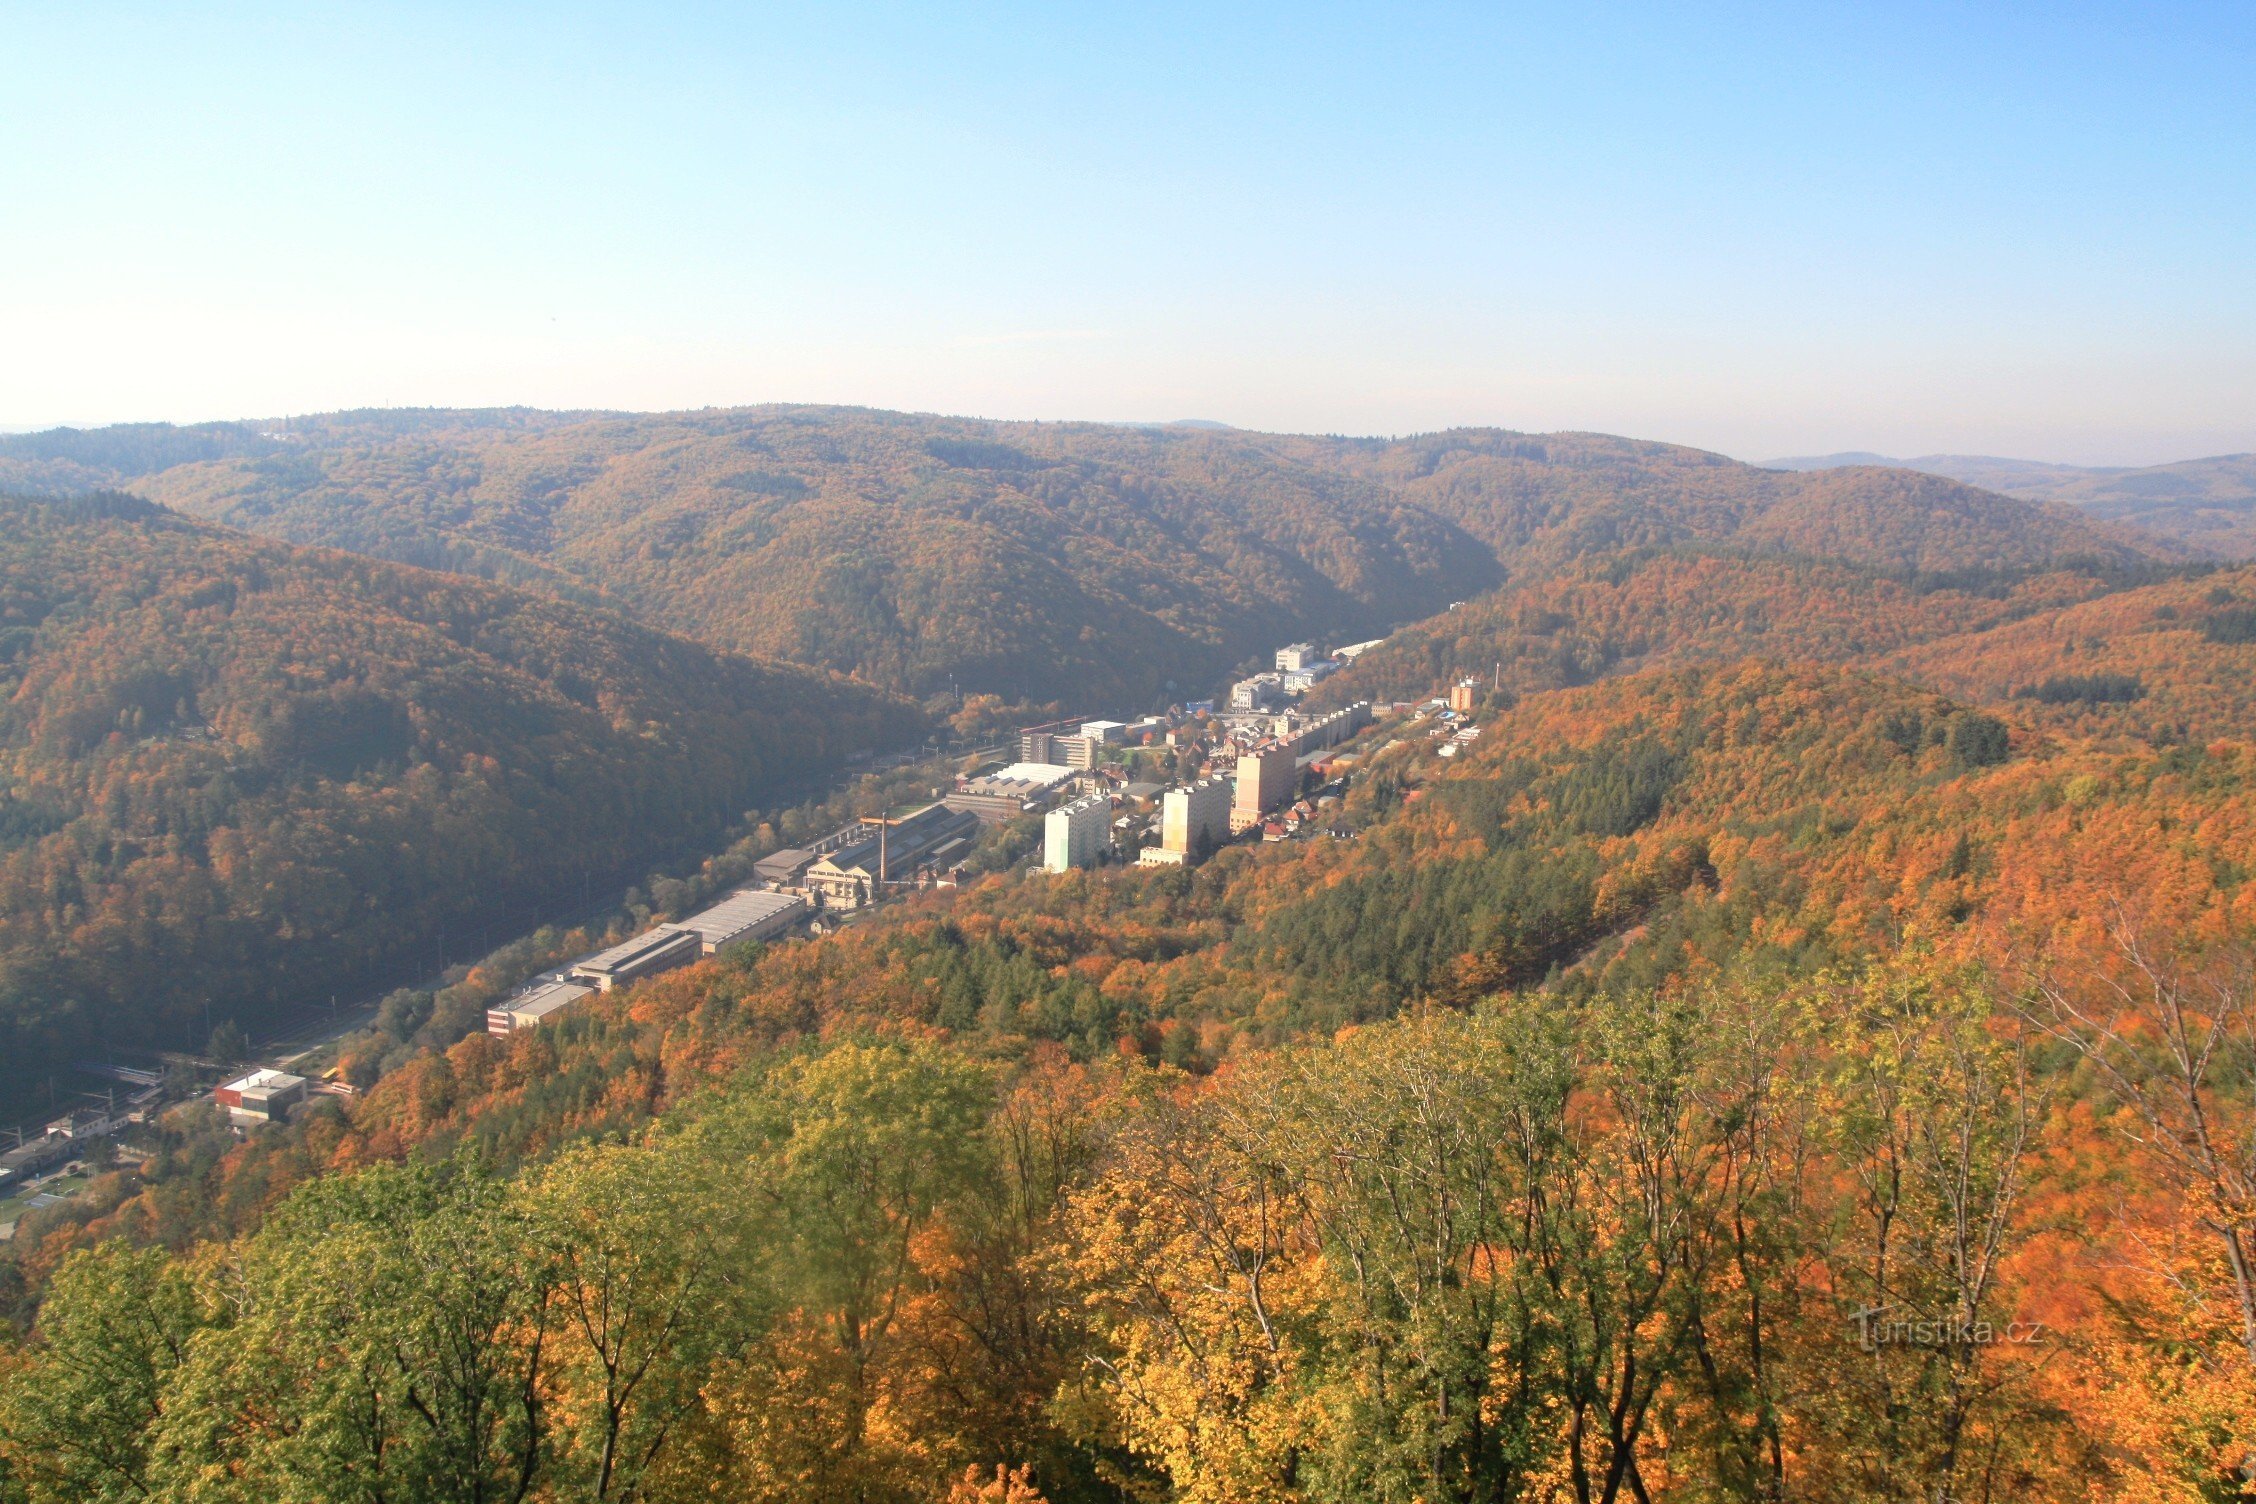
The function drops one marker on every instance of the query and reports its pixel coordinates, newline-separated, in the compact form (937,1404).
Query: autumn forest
(1803,1049)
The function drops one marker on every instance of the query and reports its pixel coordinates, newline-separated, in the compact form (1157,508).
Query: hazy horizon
(1795,231)
(1751,459)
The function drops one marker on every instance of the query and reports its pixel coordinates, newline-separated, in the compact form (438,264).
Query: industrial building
(1104,733)
(1462,694)
(1297,656)
(1076,834)
(534,1006)
(1266,777)
(1036,743)
(890,851)
(261,1096)
(1008,792)
(1074,751)
(646,955)
(745,916)
(783,869)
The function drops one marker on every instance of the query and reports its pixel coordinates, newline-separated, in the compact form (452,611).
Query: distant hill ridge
(1079,562)
(2209,504)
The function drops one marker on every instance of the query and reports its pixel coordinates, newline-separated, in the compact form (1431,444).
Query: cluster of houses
(1249,769)
(1300,668)
(65,1139)
(1453,714)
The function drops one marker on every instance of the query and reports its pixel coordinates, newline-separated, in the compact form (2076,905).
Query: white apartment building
(1074,835)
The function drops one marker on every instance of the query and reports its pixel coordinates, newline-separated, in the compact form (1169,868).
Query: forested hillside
(2092,654)
(1695,1082)
(1034,561)
(1650,607)
(238,776)
(1800,1049)
(2208,504)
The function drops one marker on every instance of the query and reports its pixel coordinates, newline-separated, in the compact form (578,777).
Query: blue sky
(1763,229)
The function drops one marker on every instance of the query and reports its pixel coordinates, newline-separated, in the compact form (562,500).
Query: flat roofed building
(747,915)
(1195,819)
(82,1122)
(1331,730)
(1296,656)
(534,1006)
(1007,793)
(1265,778)
(1262,692)
(990,808)
(1034,746)
(1103,732)
(1043,775)
(1075,751)
(1160,856)
(647,954)
(1075,835)
(261,1097)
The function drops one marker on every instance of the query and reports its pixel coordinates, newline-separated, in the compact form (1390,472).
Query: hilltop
(238,775)
(2209,504)
(1033,561)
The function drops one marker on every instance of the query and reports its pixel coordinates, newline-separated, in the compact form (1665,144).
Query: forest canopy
(1035,561)
(238,776)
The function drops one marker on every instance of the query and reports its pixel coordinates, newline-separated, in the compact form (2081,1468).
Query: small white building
(261,1097)
(534,1006)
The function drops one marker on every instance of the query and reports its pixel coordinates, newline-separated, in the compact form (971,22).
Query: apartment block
(1076,834)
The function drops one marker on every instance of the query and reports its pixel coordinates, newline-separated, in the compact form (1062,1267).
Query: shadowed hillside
(242,775)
